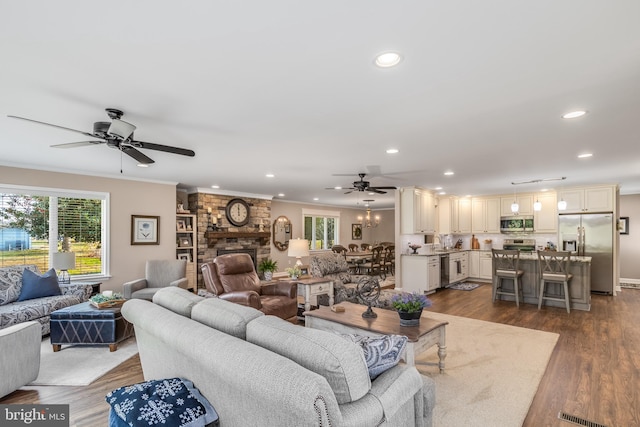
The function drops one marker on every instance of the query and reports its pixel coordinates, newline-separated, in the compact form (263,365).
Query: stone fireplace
(253,238)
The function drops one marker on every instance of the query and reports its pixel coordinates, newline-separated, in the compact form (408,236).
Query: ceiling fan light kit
(121,129)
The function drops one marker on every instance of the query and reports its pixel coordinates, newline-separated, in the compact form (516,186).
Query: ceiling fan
(363,185)
(116,134)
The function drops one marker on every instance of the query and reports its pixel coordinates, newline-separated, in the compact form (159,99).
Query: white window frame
(53,223)
(316,213)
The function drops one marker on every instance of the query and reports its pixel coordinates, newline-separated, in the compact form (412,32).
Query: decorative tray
(106,304)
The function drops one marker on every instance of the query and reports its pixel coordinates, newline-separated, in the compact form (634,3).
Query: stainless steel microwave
(516,224)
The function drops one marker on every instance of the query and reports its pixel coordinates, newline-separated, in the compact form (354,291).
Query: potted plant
(409,307)
(294,272)
(267,266)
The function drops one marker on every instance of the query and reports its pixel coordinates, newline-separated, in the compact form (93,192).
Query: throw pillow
(169,402)
(380,353)
(38,286)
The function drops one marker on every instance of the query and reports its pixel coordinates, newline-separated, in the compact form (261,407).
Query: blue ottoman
(85,324)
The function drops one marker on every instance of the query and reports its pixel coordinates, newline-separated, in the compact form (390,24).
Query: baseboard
(631,281)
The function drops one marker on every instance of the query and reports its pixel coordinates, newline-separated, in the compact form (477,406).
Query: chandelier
(366,221)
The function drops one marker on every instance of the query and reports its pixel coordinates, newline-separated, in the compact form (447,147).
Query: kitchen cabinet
(433,273)
(485,215)
(458,266)
(480,266)
(588,199)
(546,219)
(454,215)
(525,204)
(417,211)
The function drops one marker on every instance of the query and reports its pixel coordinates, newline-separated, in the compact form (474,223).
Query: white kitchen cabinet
(587,199)
(525,204)
(485,215)
(546,219)
(454,215)
(458,266)
(433,273)
(480,266)
(486,266)
(418,212)
(420,273)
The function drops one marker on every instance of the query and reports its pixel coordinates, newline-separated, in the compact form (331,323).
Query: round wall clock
(237,211)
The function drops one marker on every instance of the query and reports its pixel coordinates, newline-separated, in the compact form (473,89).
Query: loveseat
(13,311)
(259,370)
(334,266)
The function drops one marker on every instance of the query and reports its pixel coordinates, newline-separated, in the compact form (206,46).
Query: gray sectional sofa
(259,370)
(13,312)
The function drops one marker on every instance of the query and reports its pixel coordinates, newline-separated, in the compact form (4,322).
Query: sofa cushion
(225,316)
(329,263)
(340,362)
(35,309)
(35,285)
(176,299)
(11,282)
(380,353)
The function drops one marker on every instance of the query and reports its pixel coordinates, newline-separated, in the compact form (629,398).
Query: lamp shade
(298,248)
(63,260)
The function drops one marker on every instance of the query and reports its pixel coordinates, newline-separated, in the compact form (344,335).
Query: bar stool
(553,267)
(505,266)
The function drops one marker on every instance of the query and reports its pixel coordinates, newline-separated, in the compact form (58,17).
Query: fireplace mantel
(214,236)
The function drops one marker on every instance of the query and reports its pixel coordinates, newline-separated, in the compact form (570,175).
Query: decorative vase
(268,275)
(410,319)
(294,277)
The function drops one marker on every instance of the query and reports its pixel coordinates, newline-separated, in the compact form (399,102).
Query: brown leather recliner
(233,277)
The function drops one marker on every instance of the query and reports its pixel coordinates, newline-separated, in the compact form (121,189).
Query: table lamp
(298,248)
(63,261)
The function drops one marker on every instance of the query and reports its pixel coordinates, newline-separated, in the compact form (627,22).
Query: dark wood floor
(594,371)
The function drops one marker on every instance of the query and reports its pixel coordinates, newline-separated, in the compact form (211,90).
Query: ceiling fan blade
(165,148)
(349,192)
(375,190)
(55,126)
(137,155)
(382,188)
(77,144)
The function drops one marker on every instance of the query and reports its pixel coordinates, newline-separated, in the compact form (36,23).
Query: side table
(311,288)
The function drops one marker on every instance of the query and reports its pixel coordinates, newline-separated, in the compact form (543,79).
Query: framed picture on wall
(623,225)
(356,231)
(144,230)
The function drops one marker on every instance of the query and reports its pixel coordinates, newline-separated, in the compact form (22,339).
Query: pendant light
(537,206)
(562,205)
(515,208)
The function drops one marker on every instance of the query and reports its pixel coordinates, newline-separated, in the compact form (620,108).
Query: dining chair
(353,247)
(365,246)
(373,265)
(388,261)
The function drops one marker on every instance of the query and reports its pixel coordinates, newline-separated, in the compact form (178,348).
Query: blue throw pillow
(380,353)
(169,402)
(37,286)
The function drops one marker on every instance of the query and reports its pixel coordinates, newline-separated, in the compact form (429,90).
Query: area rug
(464,286)
(80,364)
(492,372)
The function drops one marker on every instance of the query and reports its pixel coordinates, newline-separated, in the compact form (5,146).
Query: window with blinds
(34,223)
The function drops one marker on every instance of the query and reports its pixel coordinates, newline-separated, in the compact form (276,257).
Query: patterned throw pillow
(168,402)
(380,353)
(11,282)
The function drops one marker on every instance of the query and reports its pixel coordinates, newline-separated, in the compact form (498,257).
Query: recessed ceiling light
(574,114)
(392,151)
(371,193)
(215,186)
(585,155)
(388,59)
(143,165)
(438,188)
(269,175)
(337,188)
(442,193)
(315,199)
(280,194)
(448,173)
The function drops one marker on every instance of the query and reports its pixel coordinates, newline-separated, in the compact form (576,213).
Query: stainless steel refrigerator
(591,235)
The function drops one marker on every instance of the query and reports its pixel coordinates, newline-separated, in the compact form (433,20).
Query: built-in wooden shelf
(214,236)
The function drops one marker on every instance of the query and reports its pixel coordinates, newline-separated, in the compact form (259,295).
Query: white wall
(127,198)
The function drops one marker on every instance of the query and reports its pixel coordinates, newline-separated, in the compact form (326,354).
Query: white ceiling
(289,88)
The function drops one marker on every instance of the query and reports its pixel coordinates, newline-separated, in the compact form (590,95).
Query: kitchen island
(579,286)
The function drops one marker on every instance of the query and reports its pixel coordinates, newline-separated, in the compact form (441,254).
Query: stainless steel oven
(525,245)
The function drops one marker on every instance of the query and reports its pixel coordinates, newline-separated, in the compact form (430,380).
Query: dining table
(357,258)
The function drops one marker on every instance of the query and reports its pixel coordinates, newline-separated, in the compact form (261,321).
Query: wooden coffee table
(420,338)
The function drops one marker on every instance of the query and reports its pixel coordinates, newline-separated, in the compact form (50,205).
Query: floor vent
(579,421)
